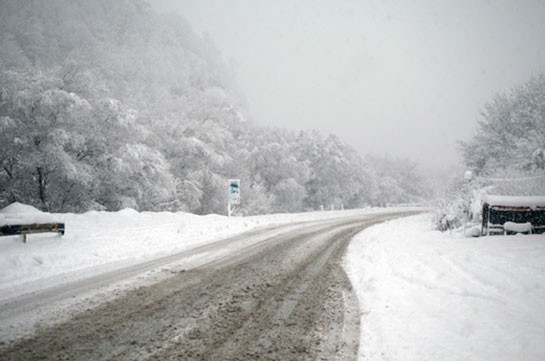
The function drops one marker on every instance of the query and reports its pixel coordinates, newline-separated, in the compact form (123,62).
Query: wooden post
(488,222)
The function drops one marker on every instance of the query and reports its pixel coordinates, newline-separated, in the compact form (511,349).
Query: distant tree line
(106,105)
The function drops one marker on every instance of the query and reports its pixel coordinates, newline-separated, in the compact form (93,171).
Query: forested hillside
(107,105)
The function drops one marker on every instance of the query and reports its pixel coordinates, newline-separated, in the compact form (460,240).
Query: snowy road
(275,293)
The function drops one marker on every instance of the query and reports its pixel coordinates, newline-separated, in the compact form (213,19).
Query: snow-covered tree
(511,133)
(41,140)
(505,155)
(106,105)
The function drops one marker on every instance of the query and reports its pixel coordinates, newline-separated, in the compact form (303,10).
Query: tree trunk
(42,183)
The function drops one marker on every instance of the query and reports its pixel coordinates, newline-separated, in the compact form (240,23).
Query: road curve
(284,297)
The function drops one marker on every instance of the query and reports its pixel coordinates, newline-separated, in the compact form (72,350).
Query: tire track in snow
(287,293)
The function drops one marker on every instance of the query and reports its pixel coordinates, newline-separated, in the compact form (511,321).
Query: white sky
(407,78)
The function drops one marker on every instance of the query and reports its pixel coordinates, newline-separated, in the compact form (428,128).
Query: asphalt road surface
(282,296)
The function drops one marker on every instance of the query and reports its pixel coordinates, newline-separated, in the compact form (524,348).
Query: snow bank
(427,296)
(96,242)
(18,213)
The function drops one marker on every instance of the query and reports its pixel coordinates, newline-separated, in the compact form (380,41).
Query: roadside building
(512,214)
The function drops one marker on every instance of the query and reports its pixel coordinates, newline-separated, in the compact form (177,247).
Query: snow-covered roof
(515,201)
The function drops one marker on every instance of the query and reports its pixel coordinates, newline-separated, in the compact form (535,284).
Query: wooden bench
(24,229)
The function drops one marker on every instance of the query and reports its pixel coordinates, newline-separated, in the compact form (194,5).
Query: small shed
(513,210)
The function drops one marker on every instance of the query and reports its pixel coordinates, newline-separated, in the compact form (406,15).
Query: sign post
(233,197)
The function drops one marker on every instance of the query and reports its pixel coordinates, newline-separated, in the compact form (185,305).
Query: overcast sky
(407,78)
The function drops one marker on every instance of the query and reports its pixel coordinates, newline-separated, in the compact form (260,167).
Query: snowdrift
(18,213)
(95,242)
(426,295)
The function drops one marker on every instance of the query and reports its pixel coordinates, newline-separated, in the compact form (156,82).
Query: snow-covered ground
(425,295)
(97,242)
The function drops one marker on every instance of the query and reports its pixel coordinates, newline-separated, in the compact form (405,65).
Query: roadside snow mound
(98,241)
(18,213)
(426,295)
